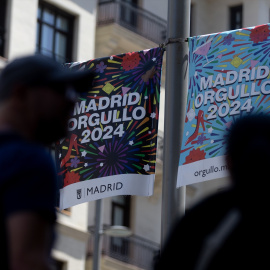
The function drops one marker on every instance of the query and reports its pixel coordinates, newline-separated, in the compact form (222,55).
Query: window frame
(120,246)
(3,16)
(68,34)
(125,207)
(127,14)
(233,13)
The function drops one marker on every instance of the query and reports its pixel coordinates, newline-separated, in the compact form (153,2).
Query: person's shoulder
(219,201)
(15,149)
(222,198)
(208,210)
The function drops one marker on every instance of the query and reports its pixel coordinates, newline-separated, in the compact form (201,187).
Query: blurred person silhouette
(229,229)
(37,95)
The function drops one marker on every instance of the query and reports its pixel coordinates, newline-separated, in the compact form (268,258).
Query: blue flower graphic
(201,139)
(228,40)
(101,67)
(74,162)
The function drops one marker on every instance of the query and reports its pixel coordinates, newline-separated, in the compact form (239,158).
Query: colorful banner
(111,146)
(228,77)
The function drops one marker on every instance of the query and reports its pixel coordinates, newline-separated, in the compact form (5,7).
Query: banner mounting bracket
(172,40)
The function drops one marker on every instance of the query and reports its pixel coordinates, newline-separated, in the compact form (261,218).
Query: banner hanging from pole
(228,77)
(112,139)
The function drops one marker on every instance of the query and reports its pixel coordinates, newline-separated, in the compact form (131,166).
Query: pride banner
(111,146)
(228,77)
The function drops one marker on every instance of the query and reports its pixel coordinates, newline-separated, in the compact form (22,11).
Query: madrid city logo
(79,194)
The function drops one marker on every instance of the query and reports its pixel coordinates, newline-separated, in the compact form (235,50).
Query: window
(191,30)
(120,216)
(57,265)
(54,33)
(121,210)
(3,9)
(128,13)
(236,17)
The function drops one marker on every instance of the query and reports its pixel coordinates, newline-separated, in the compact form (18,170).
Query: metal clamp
(172,40)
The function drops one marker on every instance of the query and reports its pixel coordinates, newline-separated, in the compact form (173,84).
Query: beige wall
(212,16)
(21,27)
(256,12)
(71,247)
(22,19)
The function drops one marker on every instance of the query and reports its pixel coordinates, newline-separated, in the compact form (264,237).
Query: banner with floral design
(112,141)
(228,77)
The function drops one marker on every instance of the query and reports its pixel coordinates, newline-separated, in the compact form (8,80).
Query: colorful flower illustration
(101,67)
(108,147)
(234,50)
(228,40)
(71,178)
(195,155)
(74,162)
(259,33)
(201,139)
(130,61)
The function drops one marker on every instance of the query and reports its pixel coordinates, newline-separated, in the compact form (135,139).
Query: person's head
(248,150)
(37,95)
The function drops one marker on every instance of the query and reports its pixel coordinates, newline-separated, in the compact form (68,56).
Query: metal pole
(173,199)
(98,235)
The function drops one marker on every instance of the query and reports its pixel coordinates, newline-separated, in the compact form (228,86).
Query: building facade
(79,30)
(65,31)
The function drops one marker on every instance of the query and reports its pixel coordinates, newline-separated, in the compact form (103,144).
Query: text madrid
(240,90)
(100,113)
(103,188)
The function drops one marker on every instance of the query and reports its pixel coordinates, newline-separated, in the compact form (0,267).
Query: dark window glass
(191,20)
(236,17)
(121,210)
(54,33)
(128,13)
(57,265)
(3,10)
(120,216)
